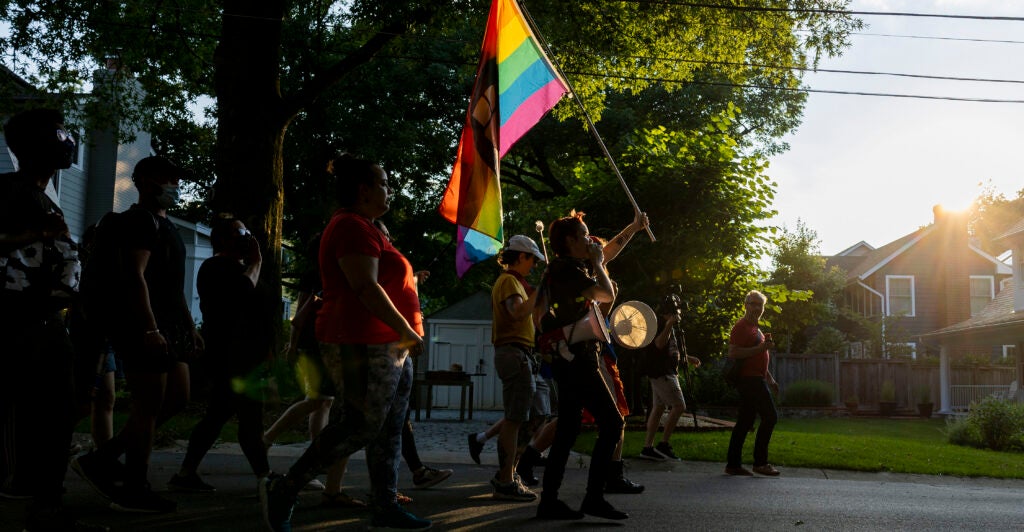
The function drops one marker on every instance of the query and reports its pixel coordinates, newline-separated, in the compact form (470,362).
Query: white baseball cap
(525,244)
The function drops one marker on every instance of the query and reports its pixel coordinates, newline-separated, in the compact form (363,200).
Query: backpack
(103,272)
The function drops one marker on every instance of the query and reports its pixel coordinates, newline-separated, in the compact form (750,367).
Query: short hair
(26,130)
(560,229)
(350,172)
(222,230)
(757,294)
(508,257)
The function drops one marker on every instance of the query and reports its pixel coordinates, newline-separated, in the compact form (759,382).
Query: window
(899,295)
(1009,352)
(982,292)
(79,163)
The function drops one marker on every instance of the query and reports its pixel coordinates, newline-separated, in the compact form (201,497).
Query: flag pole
(586,114)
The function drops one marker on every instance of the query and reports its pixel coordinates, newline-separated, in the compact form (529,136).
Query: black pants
(36,402)
(755,400)
(580,386)
(224,402)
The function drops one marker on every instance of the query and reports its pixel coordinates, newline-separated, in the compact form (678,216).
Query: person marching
(750,347)
(512,303)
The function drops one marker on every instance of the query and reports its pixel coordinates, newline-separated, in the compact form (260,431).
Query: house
(1001,322)
(922,282)
(99,181)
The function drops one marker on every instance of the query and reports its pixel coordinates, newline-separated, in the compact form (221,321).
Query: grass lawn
(903,446)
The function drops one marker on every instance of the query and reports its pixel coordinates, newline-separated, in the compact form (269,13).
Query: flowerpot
(925,409)
(886,408)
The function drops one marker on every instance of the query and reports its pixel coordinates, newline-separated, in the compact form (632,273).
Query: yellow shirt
(505,329)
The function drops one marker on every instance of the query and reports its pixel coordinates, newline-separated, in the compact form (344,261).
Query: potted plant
(852,403)
(924,401)
(887,399)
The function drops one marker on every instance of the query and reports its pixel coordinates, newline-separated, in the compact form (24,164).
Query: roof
(475,307)
(857,250)
(1012,231)
(998,314)
(870,263)
(862,267)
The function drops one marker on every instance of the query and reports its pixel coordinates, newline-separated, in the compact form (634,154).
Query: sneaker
(314,485)
(665,449)
(599,507)
(276,504)
(555,509)
(475,448)
(738,471)
(403,499)
(766,470)
(512,491)
(189,483)
(649,453)
(397,518)
(141,500)
(428,476)
(93,470)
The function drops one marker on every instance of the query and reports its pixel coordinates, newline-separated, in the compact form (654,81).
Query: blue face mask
(169,196)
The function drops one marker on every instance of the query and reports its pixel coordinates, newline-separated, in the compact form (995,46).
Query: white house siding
(71,198)
(464,342)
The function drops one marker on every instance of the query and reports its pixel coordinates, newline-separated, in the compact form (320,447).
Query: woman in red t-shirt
(749,344)
(369,325)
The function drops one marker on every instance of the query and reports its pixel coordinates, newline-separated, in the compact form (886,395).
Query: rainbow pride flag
(515,87)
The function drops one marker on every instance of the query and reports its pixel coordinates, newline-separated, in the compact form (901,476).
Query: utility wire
(814,11)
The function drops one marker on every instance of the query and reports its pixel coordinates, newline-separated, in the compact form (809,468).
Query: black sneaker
(475,448)
(141,499)
(599,507)
(94,470)
(556,510)
(512,491)
(276,503)
(189,483)
(665,448)
(649,453)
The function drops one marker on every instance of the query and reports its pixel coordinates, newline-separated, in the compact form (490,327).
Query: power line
(814,11)
(799,89)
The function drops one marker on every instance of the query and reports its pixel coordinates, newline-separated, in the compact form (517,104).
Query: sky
(871,168)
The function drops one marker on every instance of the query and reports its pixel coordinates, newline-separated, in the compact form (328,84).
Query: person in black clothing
(577,279)
(662,366)
(40,266)
(155,338)
(237,344)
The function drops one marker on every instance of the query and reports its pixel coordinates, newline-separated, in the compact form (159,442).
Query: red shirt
(746,334)
(343,318)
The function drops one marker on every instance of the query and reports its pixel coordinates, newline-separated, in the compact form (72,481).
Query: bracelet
(154,331)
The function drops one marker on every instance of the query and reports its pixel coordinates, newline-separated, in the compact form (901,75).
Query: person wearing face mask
(39,262)
(155,338)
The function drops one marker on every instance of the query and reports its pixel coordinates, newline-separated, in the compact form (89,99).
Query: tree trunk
(251,126)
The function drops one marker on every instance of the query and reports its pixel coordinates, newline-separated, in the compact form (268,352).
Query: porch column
(944,391)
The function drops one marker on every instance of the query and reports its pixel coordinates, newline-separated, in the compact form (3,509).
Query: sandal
(340,500)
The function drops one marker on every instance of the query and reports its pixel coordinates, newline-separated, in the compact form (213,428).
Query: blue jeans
(755,400)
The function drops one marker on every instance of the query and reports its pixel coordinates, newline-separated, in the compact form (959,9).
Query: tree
(273,62)
(815,291)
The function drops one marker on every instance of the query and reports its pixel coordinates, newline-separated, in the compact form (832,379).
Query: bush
(960,431)
(1000,424)
(828,340)
(709,387)
(808,393)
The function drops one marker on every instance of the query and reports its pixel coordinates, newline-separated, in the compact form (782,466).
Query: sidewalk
(680,495)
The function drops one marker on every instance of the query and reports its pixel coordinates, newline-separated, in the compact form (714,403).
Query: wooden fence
(864,378)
